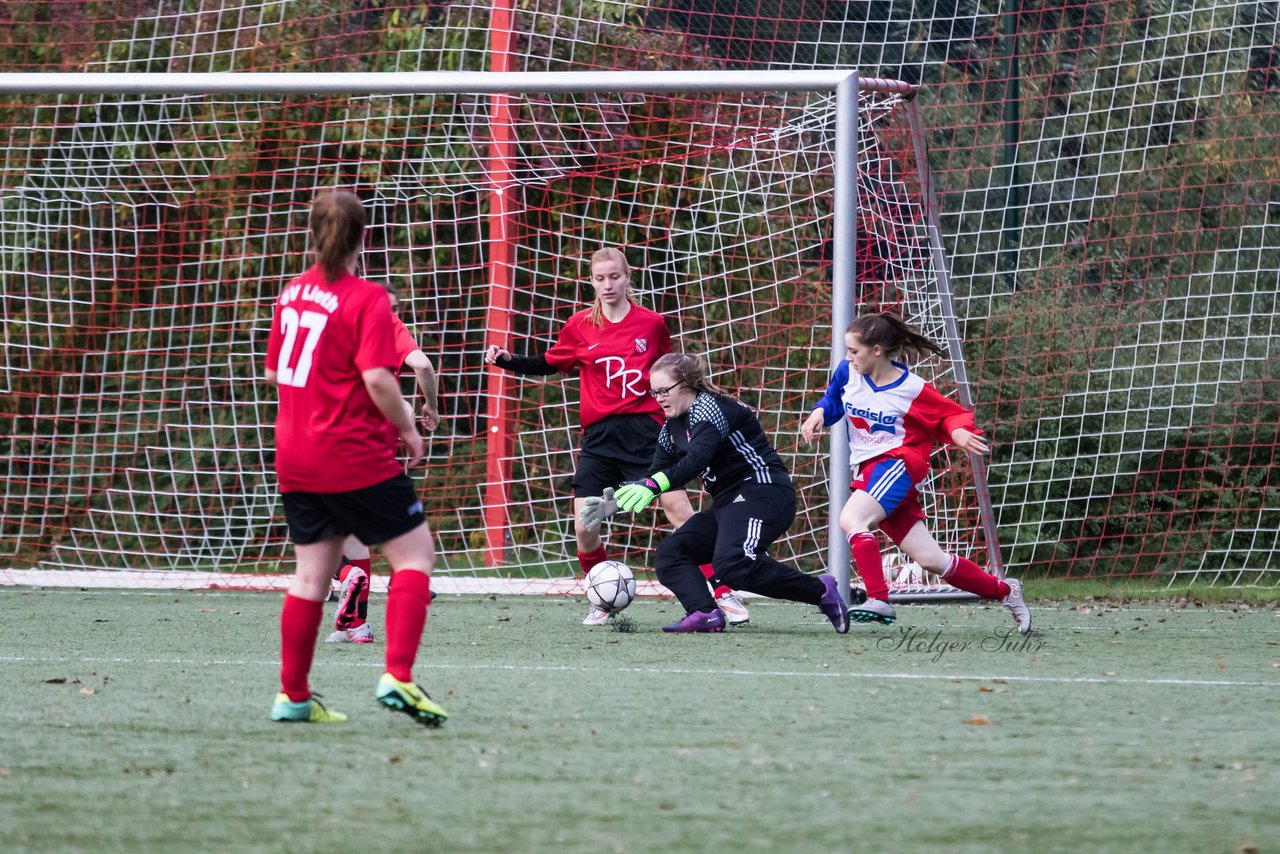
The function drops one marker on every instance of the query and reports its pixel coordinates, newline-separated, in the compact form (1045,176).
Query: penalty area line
(668,671)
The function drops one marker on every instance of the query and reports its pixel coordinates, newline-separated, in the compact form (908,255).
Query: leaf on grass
(978,720)
(984,689)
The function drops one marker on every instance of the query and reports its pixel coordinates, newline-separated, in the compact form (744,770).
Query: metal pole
(406,82)
(1013,190)
(844,231)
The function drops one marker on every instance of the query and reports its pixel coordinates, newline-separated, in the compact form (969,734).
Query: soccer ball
(610,586)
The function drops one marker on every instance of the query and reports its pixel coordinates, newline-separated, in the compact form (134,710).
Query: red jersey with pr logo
(613,362)
(330,436)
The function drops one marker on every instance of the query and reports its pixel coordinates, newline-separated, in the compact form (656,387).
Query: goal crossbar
(429,82)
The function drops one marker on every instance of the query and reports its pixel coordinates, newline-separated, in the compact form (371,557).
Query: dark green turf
(139,722)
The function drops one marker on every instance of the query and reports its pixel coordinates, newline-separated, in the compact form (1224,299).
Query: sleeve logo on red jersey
(642,345)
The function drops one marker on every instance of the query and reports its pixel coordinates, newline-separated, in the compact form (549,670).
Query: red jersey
(900,420)
(613,362)
(330,436)
(404,341)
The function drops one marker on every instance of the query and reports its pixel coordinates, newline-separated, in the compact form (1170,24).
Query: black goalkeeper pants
(734,536)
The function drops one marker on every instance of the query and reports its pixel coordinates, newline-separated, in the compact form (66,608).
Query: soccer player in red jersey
(332,358)
(613,345)
(355,569)
(894,419)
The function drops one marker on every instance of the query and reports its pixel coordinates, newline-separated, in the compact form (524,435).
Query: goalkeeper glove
(637,494)
(596,509)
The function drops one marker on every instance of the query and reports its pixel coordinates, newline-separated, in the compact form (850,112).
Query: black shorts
(374,514)
(615,450)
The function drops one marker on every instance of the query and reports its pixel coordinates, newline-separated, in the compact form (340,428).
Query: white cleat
(735,613)
(874,611)
(362,633)
(1014,604)
(597,617)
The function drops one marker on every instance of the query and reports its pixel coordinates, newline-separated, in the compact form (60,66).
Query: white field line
(213,583)
(661,671)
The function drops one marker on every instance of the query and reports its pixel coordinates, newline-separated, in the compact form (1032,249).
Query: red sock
(970,577)
(866,557)
(707,572)
(299,625)
(407,603)
(586,560)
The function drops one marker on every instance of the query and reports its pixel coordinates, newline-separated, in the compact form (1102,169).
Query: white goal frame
(845,84)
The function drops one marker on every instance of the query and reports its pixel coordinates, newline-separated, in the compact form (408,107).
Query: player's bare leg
(858,518)
(590,552)
(921,547)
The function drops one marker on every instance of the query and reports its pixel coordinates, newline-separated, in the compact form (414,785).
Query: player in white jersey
(894,418)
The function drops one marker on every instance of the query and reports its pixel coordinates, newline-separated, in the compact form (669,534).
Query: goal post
(149,220)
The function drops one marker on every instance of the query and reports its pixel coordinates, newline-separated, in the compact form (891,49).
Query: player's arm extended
(702,447)
(425,373)
(526,365)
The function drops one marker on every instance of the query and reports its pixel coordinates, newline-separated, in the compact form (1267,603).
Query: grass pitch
(139,722)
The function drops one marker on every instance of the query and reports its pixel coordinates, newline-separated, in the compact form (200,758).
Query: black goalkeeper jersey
(720,439)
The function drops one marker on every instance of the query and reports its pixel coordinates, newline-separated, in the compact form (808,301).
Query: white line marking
(668,671)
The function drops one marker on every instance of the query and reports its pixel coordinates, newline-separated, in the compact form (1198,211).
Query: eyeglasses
(662,392)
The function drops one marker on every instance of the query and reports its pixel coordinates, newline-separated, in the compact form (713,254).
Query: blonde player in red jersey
(894,419)
(355,568)
(331,356)
(613,345)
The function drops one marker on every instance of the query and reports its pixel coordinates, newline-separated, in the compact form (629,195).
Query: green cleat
(308,712)
(409,698)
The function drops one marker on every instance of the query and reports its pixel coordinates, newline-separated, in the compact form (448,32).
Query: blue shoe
(832,604)
(699,621)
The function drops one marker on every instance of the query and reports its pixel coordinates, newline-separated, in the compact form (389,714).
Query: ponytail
(337,225)
(891,332)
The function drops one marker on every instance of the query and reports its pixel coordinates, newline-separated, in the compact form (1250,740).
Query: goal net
(144,239)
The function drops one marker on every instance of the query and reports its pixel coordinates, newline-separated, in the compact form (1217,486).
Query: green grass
(138,722)
(1148,590)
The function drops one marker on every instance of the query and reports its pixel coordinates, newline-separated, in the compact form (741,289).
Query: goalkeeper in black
(711,433)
